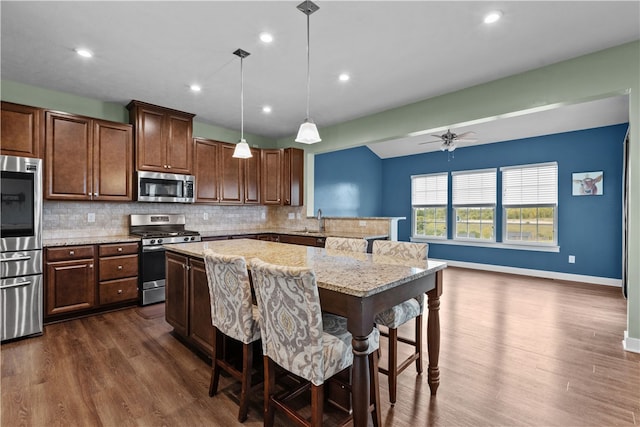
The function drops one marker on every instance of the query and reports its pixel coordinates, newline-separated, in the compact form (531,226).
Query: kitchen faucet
(320,221)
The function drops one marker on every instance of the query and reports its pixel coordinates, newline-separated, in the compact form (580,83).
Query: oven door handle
(15,258)
(157,248)
(15,285)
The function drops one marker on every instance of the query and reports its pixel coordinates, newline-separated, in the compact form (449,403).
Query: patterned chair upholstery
(344,244)
(400,314)
(234,315)
(299,337)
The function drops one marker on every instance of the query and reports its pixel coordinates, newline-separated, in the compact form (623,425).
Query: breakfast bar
(354,285)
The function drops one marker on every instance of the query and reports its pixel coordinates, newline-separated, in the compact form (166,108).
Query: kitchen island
(354,285)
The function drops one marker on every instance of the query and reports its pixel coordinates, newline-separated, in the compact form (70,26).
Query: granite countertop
(358,274)
(312,233)
(88,240)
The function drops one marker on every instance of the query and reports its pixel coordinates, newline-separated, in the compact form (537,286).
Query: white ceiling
(397,52)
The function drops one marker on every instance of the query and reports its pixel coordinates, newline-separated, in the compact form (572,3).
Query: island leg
(360,381)
(433,334)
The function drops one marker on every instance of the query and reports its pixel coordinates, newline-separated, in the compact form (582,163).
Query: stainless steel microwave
(165,187)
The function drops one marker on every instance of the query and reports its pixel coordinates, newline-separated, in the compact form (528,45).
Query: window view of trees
(532,224)
(430,221)
(475,223)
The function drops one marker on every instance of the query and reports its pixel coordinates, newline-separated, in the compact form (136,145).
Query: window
(474,204)
(530,203)
(429,194)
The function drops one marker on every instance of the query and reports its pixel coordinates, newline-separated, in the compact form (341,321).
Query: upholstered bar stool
(298,337)
(400,314)
(345,244)
(234,315)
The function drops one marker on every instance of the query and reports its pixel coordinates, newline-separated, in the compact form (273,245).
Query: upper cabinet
(282,177)
(163,138)
(221,178)
(22,130)
(87,159)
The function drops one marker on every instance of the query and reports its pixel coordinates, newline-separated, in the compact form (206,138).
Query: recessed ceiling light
(492,17)
(344,77)
(195,88)
(266,109)
(84,53)
(266,37)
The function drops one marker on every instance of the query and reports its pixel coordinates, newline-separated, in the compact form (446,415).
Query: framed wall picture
(588,183)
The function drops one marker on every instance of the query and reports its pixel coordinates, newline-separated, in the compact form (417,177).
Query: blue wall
(348,182)
(588,227)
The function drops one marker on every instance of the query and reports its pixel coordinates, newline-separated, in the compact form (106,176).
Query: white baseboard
(630,344)
(537,273)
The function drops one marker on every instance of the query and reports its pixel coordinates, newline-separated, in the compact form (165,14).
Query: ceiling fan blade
(466,139)
(464,135)
(436,136)
(429,142)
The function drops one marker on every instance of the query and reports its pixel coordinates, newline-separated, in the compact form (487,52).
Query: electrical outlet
(263,215)
(298,216)
(572,259)
(292,215)
(205,216)
(91,217)
(363,223)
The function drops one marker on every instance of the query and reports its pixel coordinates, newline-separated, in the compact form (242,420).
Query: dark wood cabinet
(177,293)
(282,177)
(302,240)
(22,132)
(87,159)
(200,327)
(70,281)
(163,138)
(223,179)
(75,287)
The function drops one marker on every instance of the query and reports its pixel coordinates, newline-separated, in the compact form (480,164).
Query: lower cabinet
(75,287)
(318,242)
(187,306)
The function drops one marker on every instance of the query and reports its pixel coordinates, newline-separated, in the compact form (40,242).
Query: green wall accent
(54,100)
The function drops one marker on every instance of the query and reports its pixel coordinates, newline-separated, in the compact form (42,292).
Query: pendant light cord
(241,99)
(308,66)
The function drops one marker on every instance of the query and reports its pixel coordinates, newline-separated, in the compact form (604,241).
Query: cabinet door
(68,157)
(70,286)
(251,174)
(22,130)
(271,177)
(179,144)
(294,188)
(231,188)
(176,288)
(112,161)
(201,329)
(150,140)
(206,170)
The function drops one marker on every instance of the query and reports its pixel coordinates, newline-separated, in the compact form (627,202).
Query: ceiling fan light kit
(242,150)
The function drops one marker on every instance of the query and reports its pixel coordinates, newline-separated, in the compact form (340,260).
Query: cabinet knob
(72,252)
(119,291)
(119,249)
(119,267)
(90,265)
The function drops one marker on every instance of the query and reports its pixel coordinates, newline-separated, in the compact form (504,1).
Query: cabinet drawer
(70,253)
(118,290)
(118,249)
(118,267)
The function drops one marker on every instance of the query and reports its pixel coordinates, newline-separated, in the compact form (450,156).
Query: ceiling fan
(449,140)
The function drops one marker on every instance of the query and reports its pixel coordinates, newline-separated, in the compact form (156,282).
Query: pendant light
(308,132)
(242,150)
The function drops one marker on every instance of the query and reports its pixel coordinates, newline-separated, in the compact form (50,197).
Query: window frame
(439,203)
(482,202)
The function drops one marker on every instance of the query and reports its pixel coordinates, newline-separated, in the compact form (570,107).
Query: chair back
(345,244)
(230,295)
(402,250)
(290,318)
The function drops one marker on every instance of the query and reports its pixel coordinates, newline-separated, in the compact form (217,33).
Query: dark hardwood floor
(515,351)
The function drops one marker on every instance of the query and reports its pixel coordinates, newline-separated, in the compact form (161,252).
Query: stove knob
(186,239)
(152,241)
(159,241)
(193,238)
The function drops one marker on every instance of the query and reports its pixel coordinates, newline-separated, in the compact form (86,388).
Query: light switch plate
(572,259)
(91,217)
(292,215)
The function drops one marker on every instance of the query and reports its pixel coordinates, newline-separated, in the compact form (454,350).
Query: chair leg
(215,369)
(419,343)
(269,390)
(393,364)
(247,361)
(317,403)
(375,389)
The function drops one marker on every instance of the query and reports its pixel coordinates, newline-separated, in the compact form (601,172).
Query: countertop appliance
(165,187)
(21,295)
(157,230)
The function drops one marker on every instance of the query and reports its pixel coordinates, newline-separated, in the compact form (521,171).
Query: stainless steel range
(157,230)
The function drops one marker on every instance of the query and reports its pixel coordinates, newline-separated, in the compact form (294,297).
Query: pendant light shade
(308,132)
(242,150)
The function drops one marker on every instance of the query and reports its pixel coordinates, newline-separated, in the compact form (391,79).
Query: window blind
(474,188)
(530,185)
(430,189)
